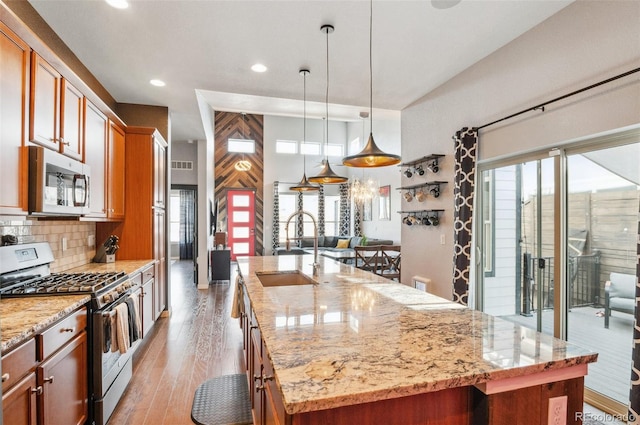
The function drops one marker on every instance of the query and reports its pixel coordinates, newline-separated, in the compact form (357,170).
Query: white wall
(584,43)
(185,152)
(386,134)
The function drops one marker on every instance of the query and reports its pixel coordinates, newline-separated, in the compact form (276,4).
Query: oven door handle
(112,307)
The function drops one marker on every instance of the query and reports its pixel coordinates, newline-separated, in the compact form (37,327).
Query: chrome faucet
(316,265)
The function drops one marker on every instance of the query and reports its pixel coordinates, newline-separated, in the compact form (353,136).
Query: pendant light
(304,185)
(327,176)
(371,155)
(243,164)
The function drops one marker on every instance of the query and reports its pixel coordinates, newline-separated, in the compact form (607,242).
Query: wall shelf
(421,217)
(433,185)
(431,162)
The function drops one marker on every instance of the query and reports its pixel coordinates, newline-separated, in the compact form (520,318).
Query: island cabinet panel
(528,406)
(14,112)
(446,407)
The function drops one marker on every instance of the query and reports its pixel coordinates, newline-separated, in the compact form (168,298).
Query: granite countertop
(22,318)
(356,337)
(128,266)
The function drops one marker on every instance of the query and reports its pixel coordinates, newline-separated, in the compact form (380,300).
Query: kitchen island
(358,348)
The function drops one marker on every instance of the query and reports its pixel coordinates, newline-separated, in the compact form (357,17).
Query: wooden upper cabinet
(160,171)
(56,110)
(71,121)
(115,173)
(15,66)
(96,127)
(45,103)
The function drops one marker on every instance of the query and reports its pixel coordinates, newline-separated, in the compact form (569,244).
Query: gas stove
(24,271)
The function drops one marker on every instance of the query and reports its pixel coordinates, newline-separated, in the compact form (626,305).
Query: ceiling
(203,50)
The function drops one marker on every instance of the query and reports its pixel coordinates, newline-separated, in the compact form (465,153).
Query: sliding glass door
(517,243)
(551,232)
(602,215)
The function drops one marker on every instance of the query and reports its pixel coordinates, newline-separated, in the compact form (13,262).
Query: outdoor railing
(583,277)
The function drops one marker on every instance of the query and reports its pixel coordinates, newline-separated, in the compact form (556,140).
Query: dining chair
(367,258)
(390,261)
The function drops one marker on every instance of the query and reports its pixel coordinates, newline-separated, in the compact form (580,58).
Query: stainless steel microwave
(58,185)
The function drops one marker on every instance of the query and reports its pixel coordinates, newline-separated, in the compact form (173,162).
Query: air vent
(182,165)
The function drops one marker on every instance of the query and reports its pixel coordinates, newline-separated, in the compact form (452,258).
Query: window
(288,203)
(335,150)
(241,145)
(488,213)
(174,224)
(310,148)
(286,146)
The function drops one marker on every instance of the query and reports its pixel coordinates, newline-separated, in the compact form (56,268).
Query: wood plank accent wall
(230,125)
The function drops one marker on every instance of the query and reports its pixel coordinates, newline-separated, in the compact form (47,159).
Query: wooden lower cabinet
(19,403)
(52,391)
(64,385)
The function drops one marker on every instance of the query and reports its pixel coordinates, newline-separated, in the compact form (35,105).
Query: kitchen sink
(284,278)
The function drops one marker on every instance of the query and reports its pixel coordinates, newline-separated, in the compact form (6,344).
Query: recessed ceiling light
(118,4)
(157,83)
(258,68)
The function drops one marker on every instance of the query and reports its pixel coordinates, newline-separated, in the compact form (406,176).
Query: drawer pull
(5,377)
(259,388)
(267,378)
(68,330)
(49,379)
(37,390)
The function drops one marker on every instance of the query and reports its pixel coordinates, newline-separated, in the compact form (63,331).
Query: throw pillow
(363,241)
(343,243)
(355,241)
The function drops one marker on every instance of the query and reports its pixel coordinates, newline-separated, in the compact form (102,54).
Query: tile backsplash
(77,253)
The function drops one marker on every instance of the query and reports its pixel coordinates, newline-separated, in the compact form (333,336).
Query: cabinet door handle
(49,379)
(37,390)
(5,377)
(267,378)
(63,142)
(63,330)
(259,388)
(256,377)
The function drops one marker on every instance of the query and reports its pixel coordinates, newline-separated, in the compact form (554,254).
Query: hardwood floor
(199,341)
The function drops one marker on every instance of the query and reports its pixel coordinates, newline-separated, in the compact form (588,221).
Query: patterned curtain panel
(357,218)
(300,220)
(321,211)
(634,392)
(466,141)
(345,210)
(275,236)
(187,223)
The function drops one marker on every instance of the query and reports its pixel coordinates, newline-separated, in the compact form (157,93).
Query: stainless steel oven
(112,369)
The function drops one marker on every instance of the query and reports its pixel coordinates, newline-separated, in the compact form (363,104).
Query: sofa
(330,243)
(619,295)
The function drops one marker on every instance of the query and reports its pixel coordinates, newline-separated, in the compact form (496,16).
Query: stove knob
(106,298)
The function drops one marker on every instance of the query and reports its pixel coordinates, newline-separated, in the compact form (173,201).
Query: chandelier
(363,190)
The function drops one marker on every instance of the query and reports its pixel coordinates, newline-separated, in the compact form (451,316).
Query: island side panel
(446,407)
(528,406)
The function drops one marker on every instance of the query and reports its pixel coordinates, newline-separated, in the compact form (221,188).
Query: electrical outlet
(64,244)
(441,239)
(558,410)
(91,241)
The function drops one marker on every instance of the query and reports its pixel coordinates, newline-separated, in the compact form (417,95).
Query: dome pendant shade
(304,185)
(327,176)
(371,156)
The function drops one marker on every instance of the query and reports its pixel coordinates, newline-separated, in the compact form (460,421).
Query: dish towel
(136,313)
(134,331)
(237,299)
(114,331)
(122,327)
(106,333)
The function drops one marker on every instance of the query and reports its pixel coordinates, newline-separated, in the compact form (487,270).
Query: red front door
(241,222)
